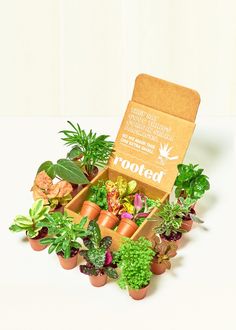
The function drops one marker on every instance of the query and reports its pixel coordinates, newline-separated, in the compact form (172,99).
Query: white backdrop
(77,57)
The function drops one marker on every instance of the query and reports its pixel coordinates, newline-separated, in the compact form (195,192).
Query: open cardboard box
(153,138)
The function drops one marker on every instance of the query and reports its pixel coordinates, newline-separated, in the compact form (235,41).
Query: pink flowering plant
(98,257)
(138,207)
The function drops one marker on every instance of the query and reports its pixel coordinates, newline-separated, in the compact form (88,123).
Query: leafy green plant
(134,259)
(65,233)
(186,204)
(171,215)
(30,223)
(164,251)
(191,182)
(90,150)
(98,195)
(97,255)
(64,169)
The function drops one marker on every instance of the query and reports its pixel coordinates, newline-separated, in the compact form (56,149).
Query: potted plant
(191,182)
(63,237)
(30,224)
(169,228)
(89,150)
(117,193)
(164,251)
(97,201)
(189,214)
(134,260)
(134,212)
(99,260)
(57,194)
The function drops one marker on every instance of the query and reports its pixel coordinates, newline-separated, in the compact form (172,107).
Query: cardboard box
(153,138)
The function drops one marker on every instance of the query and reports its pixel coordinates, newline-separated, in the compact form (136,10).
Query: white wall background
(80,57)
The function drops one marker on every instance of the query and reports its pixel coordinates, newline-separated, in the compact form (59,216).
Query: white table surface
(198,293)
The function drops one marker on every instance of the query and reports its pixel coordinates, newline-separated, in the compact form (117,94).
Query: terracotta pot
(138,294)
(127,227)
(107,219)
(69,263)
(187,225)
(98,280)
(158,268)
(35,242)
(177,242)
(90,209)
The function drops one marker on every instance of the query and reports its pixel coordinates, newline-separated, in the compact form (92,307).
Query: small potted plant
(90,151)
(30,224)
(57,194)
(97,201)
(63,237)
(169,228)
(134,213)
(117,194)
(189,214)
(191,182)
(164,251)
(99,260)
(134,260)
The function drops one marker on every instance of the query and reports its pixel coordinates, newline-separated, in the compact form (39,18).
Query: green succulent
(134,259)
(65,233)
(30,223)
(191,182)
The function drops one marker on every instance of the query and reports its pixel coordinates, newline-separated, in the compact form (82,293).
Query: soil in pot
(187,222)
(158,268)
(90,209)
(138,294)
(127,227)
(99,280)
(35,242)
(71,262)
(107,219)
(173,237)
(92,174)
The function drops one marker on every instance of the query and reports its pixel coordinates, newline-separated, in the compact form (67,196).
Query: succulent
(97,255)
(30,223)
(191,182)
(64,233)
(134,259)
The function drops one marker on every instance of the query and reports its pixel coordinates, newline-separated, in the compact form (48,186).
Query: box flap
(149,145)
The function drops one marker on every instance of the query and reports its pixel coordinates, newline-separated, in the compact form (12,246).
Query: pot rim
(129,222)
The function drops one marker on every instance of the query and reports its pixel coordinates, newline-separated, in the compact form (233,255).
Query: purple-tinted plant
(140,208)
(97,255)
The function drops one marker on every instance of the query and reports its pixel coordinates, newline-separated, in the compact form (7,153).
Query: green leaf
(52,247)
(111,272)
(74,153)
(49,168)
(97,257)
(47,240)
(106,242)
(15,228)
(95,236)
(70,171)
(36,208)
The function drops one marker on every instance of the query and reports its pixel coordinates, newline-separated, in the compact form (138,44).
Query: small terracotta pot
(158,268)
(35,242)
(69,263)
(98,280)
(138,294)
(177,242)
(127,227)
(107,219)
(90,209)
(187,225)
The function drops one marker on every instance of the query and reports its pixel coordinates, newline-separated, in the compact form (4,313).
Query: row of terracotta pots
(107,219)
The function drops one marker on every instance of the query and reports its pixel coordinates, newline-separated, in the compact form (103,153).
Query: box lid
(155,132)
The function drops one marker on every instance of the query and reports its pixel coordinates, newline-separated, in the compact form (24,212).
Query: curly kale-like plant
(134,259)
(64,232)
(31,223)
(90,150)
(190,182)
(98,195)
(98,257)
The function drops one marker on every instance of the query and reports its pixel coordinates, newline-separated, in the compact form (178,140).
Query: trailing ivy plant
(98,195)
(97,255)
(30,223)
(134,259)
(191,182)
(65,233)
(89,149)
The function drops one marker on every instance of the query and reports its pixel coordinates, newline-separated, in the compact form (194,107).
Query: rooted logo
(139,169)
